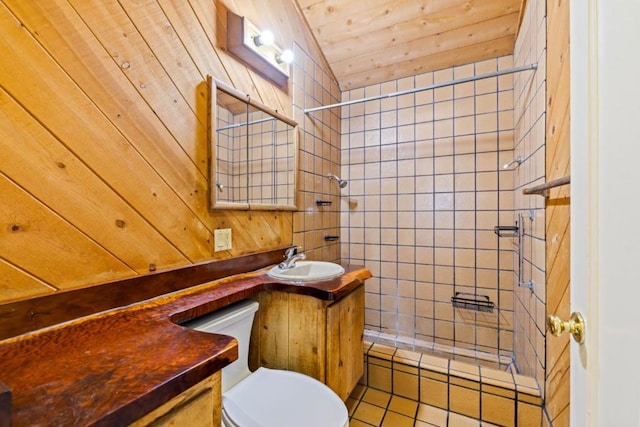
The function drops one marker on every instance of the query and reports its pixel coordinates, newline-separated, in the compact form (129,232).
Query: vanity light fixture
(257,49)
(285,57)
(265,38)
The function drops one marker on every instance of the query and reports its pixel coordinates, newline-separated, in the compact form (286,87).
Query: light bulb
(286,57)
(266,38)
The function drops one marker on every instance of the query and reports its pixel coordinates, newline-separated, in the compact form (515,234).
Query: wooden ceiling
(373,41)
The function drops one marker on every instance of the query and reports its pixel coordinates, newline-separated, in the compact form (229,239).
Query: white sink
(308,271)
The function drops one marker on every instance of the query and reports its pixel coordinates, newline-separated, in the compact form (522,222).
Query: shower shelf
(323,202)
(472,302)
(329,238)
(506,230)
(543,189)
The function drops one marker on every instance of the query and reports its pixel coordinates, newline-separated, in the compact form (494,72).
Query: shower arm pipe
(529,67)
(341,182)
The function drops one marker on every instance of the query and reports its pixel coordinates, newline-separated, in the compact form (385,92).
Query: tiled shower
(427,186)
(426,190)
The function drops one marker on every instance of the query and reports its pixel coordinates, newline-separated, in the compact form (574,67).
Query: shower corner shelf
(506,230)
(472,302)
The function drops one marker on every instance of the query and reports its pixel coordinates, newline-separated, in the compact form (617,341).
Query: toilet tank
(236,321)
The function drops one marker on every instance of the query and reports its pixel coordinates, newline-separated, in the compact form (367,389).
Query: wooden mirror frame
(215,187)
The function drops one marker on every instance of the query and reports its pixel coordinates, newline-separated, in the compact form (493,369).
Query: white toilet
(267,397)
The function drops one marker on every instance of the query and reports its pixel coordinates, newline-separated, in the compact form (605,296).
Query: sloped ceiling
(373,41)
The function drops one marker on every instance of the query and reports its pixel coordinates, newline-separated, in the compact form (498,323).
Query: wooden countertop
(114,367)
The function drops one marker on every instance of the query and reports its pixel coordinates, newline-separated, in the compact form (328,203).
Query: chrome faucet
(290,258)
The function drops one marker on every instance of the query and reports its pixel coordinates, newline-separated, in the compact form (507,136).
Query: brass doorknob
(575,326)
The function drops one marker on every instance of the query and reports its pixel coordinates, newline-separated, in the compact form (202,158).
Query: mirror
(253,156)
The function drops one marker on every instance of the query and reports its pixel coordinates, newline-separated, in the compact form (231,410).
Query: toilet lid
(275,398)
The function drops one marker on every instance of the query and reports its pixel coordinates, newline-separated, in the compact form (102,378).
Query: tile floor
(370,407)
(406,388)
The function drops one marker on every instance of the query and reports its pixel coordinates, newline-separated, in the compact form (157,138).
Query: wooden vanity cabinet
(198,406)
(322,339)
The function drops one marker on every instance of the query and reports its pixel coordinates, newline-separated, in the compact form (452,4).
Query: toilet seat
(275,398)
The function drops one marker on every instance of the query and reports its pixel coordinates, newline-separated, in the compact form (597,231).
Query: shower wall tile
(319,154)
(426,187)
(529,133)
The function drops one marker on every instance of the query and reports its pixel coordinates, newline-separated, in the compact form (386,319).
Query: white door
(605,211)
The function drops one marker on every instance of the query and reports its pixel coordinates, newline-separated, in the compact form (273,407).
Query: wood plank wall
(103,112)
(558,208)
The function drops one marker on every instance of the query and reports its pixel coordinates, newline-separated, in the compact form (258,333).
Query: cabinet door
(290,334)
(345,354)
(199,406)
(269,346)
(307,336)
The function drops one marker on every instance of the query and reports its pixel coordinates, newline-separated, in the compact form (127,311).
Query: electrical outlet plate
(222,239)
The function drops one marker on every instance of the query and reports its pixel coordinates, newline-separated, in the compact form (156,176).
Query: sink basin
(308,271)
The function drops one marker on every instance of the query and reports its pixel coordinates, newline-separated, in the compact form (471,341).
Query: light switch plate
(222,239)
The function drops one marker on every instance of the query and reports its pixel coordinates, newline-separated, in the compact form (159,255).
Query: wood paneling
(413,50)
(35,237)
(390,39)
(103,132)
(16,284)
(558,209)
(99,212)
(103,80)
